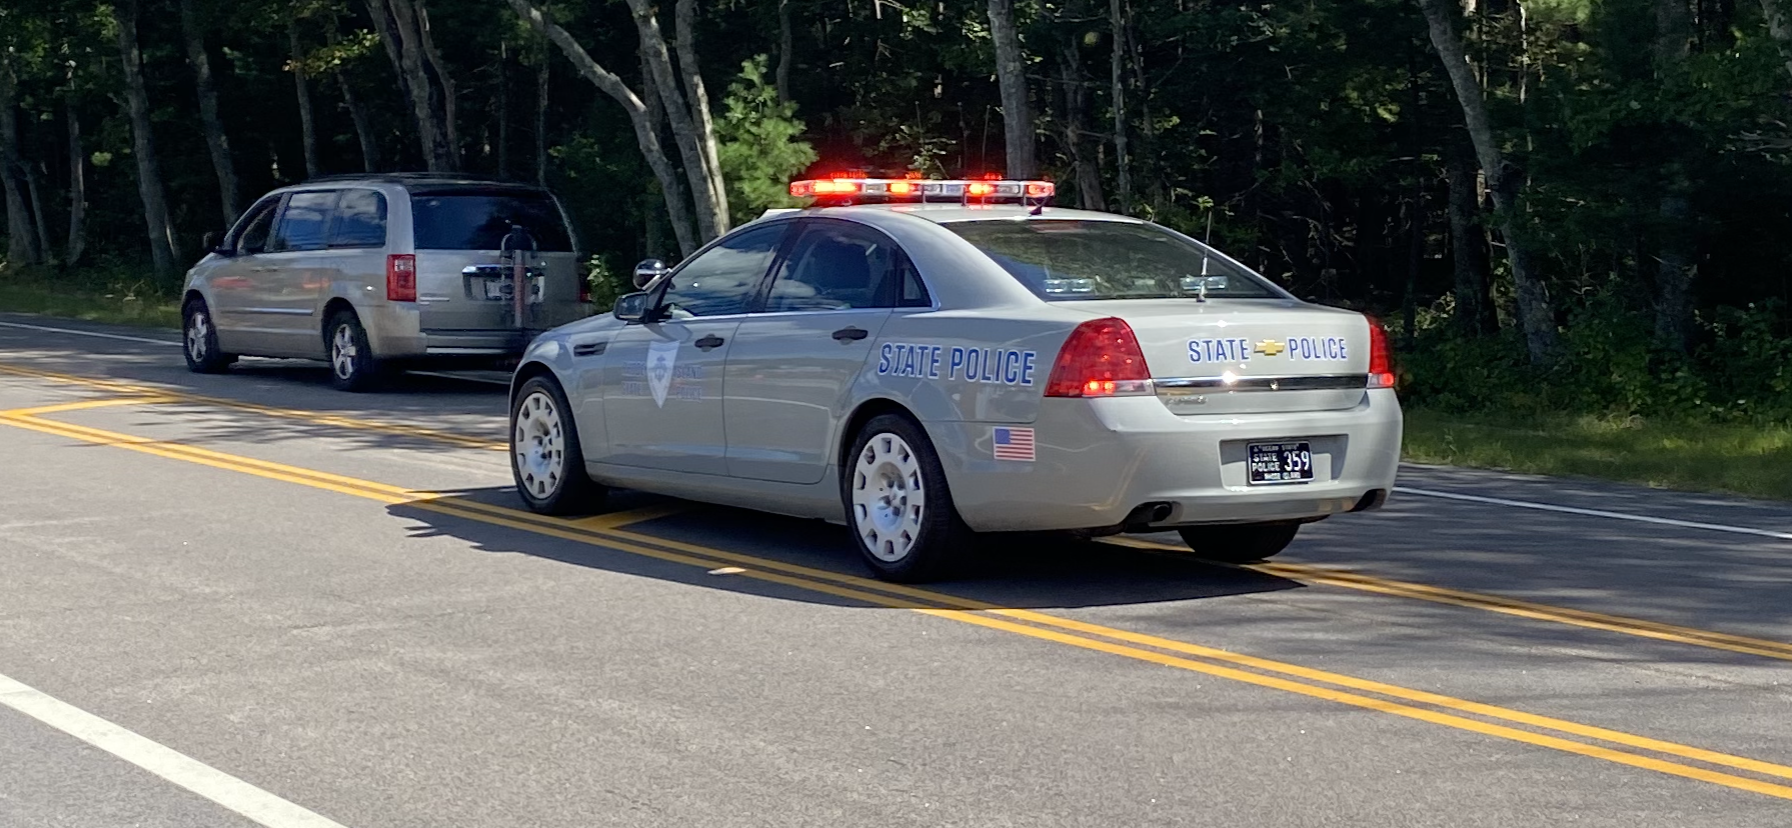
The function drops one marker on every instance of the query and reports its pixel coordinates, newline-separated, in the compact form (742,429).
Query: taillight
(1381,359)
(401,278)
(585,290)
(1100,359)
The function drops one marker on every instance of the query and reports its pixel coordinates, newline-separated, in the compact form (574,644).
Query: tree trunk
(45,252)
(1780,29)
(684,129)
(436,157)
(21,244)
(1468,244)
(162,248)
(77,185)
(1085,166)
(1011,77)
(786,56)
(307,127)
(370,146)
(541,123)
(504,111)
(1117,72)
(1536,317)
(216,141)
(445,82)
(383,24)
(646,132)
(1675,267)
(685,41)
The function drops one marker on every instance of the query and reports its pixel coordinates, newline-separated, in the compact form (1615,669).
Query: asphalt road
(251,600)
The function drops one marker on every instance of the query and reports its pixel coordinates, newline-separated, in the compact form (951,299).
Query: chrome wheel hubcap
(199,329)
(888,500)
(539,444)
(343,352)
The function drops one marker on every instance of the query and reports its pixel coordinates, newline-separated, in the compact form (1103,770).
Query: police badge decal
(661,357)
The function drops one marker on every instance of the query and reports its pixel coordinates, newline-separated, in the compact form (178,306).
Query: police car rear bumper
(1097,462)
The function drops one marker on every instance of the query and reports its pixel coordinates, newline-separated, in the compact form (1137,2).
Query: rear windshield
(1064,260)
(477,220)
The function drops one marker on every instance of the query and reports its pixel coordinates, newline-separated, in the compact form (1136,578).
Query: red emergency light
(848,189)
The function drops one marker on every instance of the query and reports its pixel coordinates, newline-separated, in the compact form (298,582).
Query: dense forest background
(1554,204)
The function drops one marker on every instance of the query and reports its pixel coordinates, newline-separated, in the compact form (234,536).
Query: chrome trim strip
(278,311)
(1322,382)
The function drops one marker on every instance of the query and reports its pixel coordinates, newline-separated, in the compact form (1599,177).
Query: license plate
(1285,462)
(501,289)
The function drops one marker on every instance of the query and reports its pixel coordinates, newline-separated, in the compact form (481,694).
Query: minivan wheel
(1239,542)
(897,504)
(545,458)
(200,338)
(352,366)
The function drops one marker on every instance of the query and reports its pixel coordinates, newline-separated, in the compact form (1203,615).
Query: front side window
(253,237)
(837,266)
(722,279)
(360,220)
(1063,260)
(303,222)
(479,219)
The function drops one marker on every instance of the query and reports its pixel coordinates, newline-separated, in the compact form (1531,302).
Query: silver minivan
(375,273)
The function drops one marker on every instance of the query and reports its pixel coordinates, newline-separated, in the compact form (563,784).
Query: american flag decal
(1014,443)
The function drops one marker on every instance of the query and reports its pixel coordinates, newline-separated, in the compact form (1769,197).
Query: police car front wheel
(545,458)
(1239,542)
(897,503)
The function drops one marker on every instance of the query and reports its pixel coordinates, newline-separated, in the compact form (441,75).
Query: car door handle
(850,334)
(709,343)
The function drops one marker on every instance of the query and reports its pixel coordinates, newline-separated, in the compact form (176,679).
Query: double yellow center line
(1518,726)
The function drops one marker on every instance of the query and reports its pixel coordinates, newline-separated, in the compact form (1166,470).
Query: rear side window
(302,223)
(1063,260)
(836,266)
(360,220)
(480,219)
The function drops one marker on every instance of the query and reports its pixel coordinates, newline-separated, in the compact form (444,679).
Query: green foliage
(759,144)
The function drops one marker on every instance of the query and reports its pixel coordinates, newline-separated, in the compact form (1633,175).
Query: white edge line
(1550,507)
(232,793)
(119,337)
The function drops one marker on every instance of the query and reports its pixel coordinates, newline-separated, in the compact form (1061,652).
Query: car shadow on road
(809,560)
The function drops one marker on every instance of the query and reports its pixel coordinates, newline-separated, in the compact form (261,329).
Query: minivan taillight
(401,278)
(1100,359)
(1381,359)
(584,290)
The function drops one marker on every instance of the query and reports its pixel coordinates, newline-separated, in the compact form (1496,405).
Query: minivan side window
(722,279)
(360,220)
(253,238)
(302,223)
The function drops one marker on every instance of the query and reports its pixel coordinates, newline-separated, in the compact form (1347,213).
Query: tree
(162,246)
(1011,76)
(1535,315)
(21,246)
(217,142)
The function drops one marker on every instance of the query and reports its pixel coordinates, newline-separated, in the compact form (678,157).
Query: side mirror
(212,238)
(632,307)
(648,271)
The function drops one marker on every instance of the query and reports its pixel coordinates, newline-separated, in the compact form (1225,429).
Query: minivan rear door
(463,281)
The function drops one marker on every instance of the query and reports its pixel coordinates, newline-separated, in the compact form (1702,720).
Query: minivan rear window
(1067,259)
(479,220)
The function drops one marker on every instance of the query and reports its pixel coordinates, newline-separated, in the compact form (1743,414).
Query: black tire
(1239,542)
(350,356)
(199,338)
(935,537)
(570,491)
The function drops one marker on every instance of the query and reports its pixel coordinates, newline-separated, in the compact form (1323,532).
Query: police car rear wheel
(897,504)
(1241,542)
(545,459)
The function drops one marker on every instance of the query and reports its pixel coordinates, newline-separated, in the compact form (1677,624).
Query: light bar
(922,190)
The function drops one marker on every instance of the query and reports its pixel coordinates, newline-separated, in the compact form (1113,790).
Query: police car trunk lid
(1246,356)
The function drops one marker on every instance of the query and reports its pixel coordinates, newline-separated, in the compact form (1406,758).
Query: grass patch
(98,295)
(1753,460)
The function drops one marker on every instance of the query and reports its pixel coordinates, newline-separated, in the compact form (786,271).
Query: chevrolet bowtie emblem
(1270,347)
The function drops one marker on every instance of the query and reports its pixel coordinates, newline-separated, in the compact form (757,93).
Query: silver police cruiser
(924,360)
